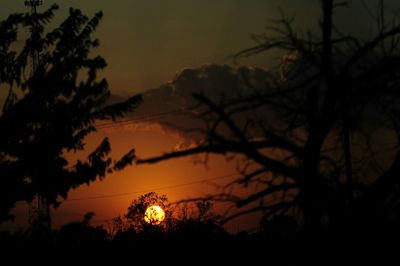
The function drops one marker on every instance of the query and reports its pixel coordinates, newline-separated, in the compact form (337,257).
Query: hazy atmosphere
(257,119)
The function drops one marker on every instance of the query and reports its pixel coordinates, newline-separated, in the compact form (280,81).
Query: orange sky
(145,44)
(178,179)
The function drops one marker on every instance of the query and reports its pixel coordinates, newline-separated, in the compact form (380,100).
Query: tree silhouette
(138,207)
(49,112)
(8,34)
(197,222)
(78,235)
(186,224)
(330,93)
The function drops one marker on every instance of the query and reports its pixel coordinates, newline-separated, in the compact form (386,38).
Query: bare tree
(329,94)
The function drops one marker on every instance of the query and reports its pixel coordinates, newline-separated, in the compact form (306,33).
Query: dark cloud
(172,109)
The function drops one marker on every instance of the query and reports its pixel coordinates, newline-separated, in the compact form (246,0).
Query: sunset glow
(154,215)
(222,130)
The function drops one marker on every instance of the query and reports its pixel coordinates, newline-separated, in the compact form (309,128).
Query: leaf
(127,159)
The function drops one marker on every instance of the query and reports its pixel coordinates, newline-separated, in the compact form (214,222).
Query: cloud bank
(172,109)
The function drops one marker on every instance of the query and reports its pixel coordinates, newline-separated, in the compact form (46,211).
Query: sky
(146,42)
(150,46)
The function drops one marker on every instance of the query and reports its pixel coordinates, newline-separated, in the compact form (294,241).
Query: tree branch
(265,192)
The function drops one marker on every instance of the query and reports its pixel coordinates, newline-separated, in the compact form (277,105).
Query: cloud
(172,109)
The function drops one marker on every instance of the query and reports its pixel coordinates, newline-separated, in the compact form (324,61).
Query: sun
(154,215)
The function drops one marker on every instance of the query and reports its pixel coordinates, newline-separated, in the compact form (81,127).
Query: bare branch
(282,206)
(265,192)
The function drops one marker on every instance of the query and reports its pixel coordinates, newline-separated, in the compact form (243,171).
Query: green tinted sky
(145,42)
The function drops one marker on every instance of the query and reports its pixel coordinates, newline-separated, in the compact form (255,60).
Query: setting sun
(154,215)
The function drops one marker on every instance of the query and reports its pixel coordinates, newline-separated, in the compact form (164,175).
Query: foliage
(188,220)
(137,208)
(77,235)
(54,100)
(197,222)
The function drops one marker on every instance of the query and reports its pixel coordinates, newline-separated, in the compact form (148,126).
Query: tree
(8,34)
(138,207)
(50,109)
(198,222)
(81,235)
(327,95)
